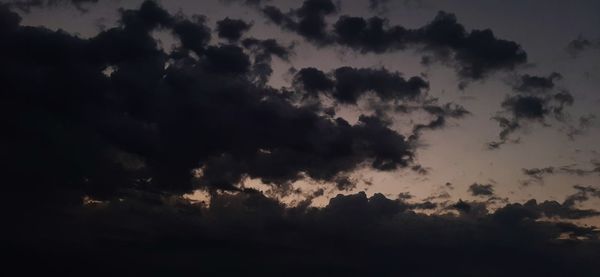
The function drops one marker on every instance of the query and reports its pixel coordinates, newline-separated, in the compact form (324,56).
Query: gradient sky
(450,161)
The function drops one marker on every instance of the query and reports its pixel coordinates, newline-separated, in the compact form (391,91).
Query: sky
(302,136)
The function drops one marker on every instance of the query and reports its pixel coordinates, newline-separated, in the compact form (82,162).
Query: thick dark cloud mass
(232,29)
(313,81)
(353,235)
(474,54)
(154,118)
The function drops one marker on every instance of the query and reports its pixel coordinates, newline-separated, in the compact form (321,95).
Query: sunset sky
(231,136)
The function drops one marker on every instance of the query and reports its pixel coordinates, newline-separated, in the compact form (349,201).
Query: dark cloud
(583,194)
(474,54)
(526,107)
(348,84)
(227,59)
(582,172)
(405,196)
(352,82)
(449,109)
(164,121)
(311,17)
(440,113)
(581,44)
(538,174)
(269,47)
(308,20)
(551,209)
(519,108)
(481,189)
(419,169)
(369,35)
(263,50)
(232,29)
(313,81)
(278,17)
(193,34)
(344,183)
(354,235)
(529,83)
(536,100)
(477,53)
(437,122)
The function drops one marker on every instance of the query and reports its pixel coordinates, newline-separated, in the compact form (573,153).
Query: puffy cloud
(352,82)
(313,81)
(348,84)
(526,107)
(232,29)
(481,189)
(474,54)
